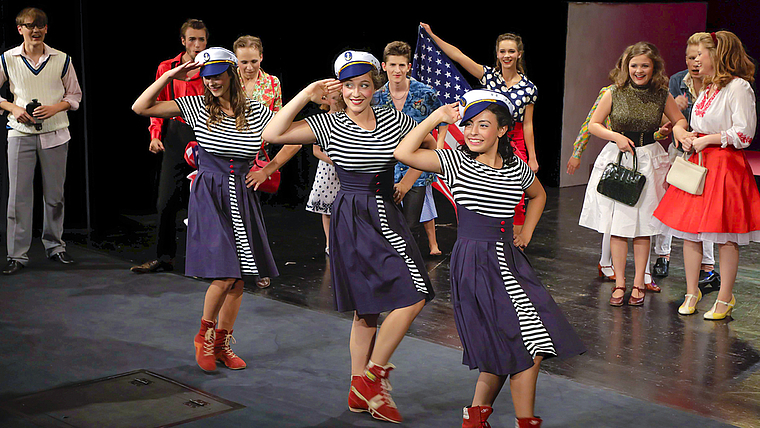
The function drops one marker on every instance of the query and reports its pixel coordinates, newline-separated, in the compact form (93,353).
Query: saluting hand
(180,72)
(319,92)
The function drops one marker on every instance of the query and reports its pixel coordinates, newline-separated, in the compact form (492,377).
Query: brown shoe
(637,301)
(153,266)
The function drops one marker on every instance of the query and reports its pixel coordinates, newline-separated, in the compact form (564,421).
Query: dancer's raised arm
(147,105)
(282,130)
(409,150)
(456,54)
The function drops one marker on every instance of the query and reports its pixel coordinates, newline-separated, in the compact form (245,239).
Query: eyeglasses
(33,25)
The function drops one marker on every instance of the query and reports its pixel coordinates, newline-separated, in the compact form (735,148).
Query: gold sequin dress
(634,109)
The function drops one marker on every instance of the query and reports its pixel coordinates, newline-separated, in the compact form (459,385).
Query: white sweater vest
(43,84)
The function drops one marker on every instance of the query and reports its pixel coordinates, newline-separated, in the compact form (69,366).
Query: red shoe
(355,404)
(204,346)
(475,417)
(374,389)
(603,272)
(528,423)
(224,354)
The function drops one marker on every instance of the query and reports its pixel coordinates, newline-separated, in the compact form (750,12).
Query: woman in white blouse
(728,210)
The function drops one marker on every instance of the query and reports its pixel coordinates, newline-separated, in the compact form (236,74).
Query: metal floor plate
(138,399)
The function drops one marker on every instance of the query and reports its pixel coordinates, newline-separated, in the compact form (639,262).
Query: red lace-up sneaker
(528,423)
(374,389)
(355,404)
(476,417)
(224,354)
(204,346)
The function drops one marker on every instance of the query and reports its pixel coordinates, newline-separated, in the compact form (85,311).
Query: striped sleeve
(450,162)
(189,108)
(527,176)
(262,112)
(321,126)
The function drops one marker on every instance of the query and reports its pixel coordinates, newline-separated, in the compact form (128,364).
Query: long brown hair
(621,76)
(728,57)
(520,48)
(238,103)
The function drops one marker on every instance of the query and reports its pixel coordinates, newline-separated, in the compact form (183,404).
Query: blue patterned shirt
(421,101)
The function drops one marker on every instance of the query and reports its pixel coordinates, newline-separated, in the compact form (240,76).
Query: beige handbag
(687,175)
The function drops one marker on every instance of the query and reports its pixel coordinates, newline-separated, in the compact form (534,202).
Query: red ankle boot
(204,346)
(374,389)
(528,422)
(355,404)
(476,417)
(224,354)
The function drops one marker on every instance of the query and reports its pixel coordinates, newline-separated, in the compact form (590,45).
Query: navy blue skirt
(374,261)
(504,315)
(226,236)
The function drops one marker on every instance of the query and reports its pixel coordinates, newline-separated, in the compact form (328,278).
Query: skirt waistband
(366,183)
(483,228)
(209,163)
(640,139)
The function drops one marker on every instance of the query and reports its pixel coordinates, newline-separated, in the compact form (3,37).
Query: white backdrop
(596,36)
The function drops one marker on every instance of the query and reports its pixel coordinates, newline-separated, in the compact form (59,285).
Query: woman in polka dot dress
(508,77)
(326,184)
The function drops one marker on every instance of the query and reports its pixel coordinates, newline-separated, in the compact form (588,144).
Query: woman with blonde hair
(727,212)
(634,106)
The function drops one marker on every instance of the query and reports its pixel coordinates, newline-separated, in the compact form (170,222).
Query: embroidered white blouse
(729,112)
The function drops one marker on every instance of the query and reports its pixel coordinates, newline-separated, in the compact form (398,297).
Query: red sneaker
(224,354)
(355,404)
(528,423)
(476,417)
(204,346)
(374,389)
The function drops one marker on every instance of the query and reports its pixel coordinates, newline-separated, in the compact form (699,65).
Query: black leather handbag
(620,183)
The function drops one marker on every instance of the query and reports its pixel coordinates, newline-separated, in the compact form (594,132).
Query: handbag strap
(687,154)
(635,159)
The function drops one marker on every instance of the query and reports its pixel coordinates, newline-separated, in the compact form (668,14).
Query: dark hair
(503,118)
(37,16)
(397,49)
(195,24)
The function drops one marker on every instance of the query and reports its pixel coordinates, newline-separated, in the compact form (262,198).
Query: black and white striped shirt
(356,149)
(482,189)
(224,139)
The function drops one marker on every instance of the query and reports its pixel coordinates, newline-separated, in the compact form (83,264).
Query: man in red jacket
(171,136)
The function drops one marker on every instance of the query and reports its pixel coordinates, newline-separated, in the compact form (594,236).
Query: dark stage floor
(650,354)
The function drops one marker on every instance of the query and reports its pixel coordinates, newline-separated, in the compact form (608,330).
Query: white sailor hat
(215,61)
(477,100)
(354,63)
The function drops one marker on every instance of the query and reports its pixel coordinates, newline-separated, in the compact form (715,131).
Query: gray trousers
(23,153)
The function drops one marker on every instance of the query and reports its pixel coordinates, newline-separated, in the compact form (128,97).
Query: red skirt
(518,145)
(729,205)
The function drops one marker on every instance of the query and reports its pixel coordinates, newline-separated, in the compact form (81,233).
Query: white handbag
(687,176)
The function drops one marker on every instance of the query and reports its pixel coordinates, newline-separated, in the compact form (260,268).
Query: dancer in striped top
(506,319)
(374,261)
(226,237)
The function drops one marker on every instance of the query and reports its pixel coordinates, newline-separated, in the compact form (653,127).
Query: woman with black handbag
(635,106)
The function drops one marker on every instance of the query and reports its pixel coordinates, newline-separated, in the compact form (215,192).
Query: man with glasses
(44,86)
(171,136)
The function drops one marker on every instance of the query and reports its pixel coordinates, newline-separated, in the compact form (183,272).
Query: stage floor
(649,354)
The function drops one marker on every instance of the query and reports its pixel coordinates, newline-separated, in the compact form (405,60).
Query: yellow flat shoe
(685,308)
(712,315)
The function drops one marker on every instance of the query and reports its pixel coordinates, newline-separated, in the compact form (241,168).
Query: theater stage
(67,326)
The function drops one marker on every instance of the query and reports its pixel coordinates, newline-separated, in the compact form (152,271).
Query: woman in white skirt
(634,106)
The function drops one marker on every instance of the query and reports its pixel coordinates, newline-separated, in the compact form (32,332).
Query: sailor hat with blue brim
(474,102)
(215,61)
(355,63)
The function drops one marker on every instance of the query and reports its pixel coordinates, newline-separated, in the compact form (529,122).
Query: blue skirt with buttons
(375,263)
(504,315)
(226,236)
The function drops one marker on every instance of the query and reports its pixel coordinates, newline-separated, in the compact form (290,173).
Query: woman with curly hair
(634,106)
(723,122)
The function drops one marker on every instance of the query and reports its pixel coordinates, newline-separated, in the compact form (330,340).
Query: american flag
(432,67)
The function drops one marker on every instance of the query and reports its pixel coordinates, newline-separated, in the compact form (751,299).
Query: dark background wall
(116,52)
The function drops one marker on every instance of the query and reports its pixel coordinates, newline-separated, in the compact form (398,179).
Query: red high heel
(603,275)
(617,301)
